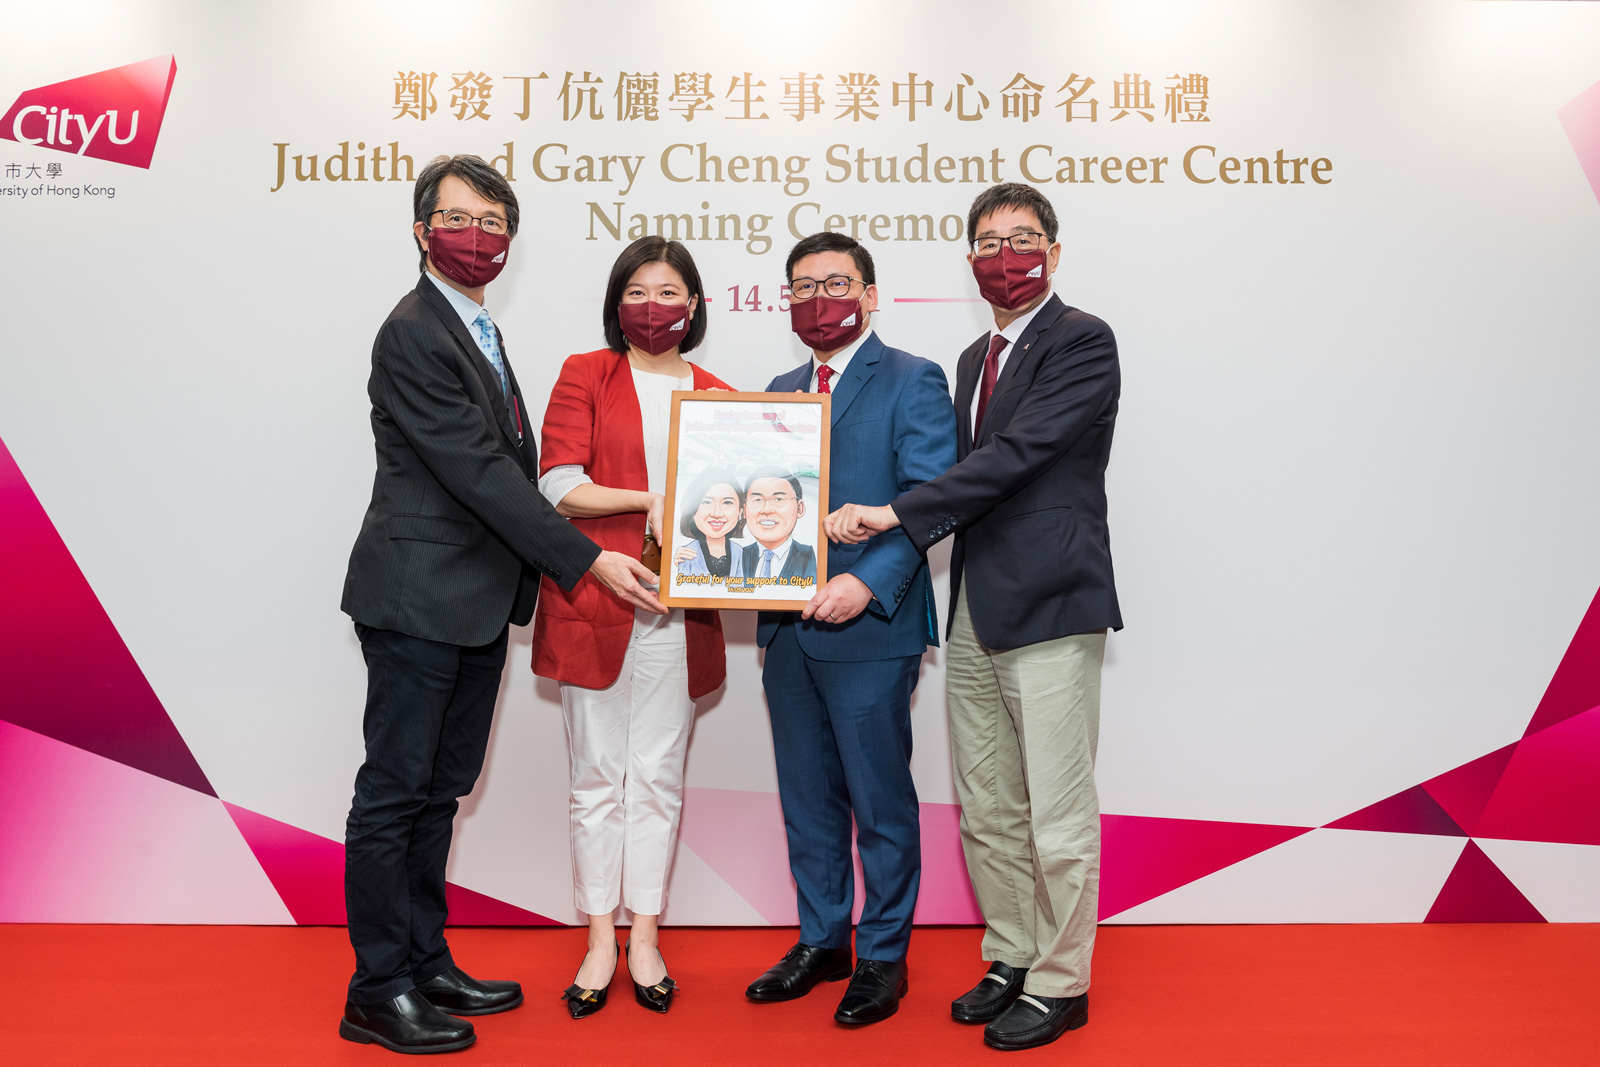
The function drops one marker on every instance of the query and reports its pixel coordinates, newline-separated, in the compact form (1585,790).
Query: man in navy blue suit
(839,675)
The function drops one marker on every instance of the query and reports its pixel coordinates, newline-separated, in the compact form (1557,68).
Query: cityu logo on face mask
(675,327)
(501,258)
(1037,272)
(114,115)
(851,321)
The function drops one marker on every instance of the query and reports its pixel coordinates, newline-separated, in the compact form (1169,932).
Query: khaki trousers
(1024,726)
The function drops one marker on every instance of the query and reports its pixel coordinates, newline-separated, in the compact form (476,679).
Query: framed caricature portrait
(747,492)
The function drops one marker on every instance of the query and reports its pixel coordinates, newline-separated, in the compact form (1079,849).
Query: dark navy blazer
(894,427)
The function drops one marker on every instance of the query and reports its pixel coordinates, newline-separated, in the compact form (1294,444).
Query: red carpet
(1284,996)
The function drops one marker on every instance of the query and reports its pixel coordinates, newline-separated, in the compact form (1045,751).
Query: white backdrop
(1353,502)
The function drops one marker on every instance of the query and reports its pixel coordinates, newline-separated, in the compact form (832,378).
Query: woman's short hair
(702,486)
(653,250)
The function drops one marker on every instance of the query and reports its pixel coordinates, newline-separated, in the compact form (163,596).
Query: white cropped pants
(627,744)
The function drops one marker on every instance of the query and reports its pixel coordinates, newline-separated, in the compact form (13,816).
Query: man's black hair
(827,241)
(774,471)
(1012,194)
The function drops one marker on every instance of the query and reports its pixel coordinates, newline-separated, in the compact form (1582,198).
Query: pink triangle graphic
(1413,811)
(1479,892)
(1142,857)
(1575,688)
(1463,792)
(739,834)
(64,669)
(307,870)
(1580,117)
(1550,790)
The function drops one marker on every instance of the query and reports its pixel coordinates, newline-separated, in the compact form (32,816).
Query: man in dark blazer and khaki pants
(449,554)
(1037,399)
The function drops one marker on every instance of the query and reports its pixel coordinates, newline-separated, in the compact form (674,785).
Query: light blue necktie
(483,327)
(766,563)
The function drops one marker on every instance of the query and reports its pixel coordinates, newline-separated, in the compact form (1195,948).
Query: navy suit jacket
(801,562)
(894,428)
(1027,502)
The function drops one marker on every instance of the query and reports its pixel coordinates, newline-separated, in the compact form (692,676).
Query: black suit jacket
(1026,500)
(457,532)
(801,562)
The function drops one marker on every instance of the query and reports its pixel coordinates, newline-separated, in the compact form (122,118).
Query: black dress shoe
(1033,1021)
(801,968)
(458,993)
(657,997)
(407,1023)
(874,993)
(582,1003)
(988,1000)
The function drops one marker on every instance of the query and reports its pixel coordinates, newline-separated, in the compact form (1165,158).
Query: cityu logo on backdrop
(114,115)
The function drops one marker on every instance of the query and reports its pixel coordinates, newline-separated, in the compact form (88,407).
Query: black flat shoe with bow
(657,996)
(582,1003)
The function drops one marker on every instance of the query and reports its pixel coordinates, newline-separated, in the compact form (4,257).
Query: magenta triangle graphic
(1479,892)
(1463,792)
(1551,789)
(1575,688)
(1410,812)
(307,870)
(64,669)
(1142,857)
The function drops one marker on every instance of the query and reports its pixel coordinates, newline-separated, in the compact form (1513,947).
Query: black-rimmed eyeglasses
(455,219)
(984,247)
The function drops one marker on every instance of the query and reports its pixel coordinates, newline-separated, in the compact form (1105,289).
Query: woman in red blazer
(628,679)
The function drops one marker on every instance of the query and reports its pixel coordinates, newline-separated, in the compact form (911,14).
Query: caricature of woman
(714,517)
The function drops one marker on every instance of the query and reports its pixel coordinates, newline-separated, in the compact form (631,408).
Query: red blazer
(593,420)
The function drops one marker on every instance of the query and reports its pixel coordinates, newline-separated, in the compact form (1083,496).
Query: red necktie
(824,372)
(991,372)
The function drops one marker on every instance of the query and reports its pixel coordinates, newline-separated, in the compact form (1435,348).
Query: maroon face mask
(1012,279)
(468,256)
(654,328)
(827,323)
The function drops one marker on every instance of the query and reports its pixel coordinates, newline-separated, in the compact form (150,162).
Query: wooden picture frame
(720,447)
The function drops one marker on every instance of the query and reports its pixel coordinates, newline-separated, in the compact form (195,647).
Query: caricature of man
(773,503)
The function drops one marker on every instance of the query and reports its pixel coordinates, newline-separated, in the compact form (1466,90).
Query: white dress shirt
(1012,334)
(468,308)
(780,556)
(840,360)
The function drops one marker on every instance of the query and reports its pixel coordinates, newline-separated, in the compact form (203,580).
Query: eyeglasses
(837,286)
(456,219)
(984,247)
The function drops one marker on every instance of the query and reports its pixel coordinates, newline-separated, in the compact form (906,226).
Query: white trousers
(627,744)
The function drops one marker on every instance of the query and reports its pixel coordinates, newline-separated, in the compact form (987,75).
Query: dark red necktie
(991,372)
(824,372)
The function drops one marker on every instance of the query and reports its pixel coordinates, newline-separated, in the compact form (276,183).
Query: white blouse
(655,412)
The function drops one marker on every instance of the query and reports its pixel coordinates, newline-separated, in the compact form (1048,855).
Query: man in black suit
(449,554)
(773,506)
(1038,399)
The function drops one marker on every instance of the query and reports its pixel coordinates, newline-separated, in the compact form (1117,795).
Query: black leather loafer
(1033,1021)
(407,1023)
(458,993)
(988,1000)
(874,993)
(582,1003)
(801,968)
